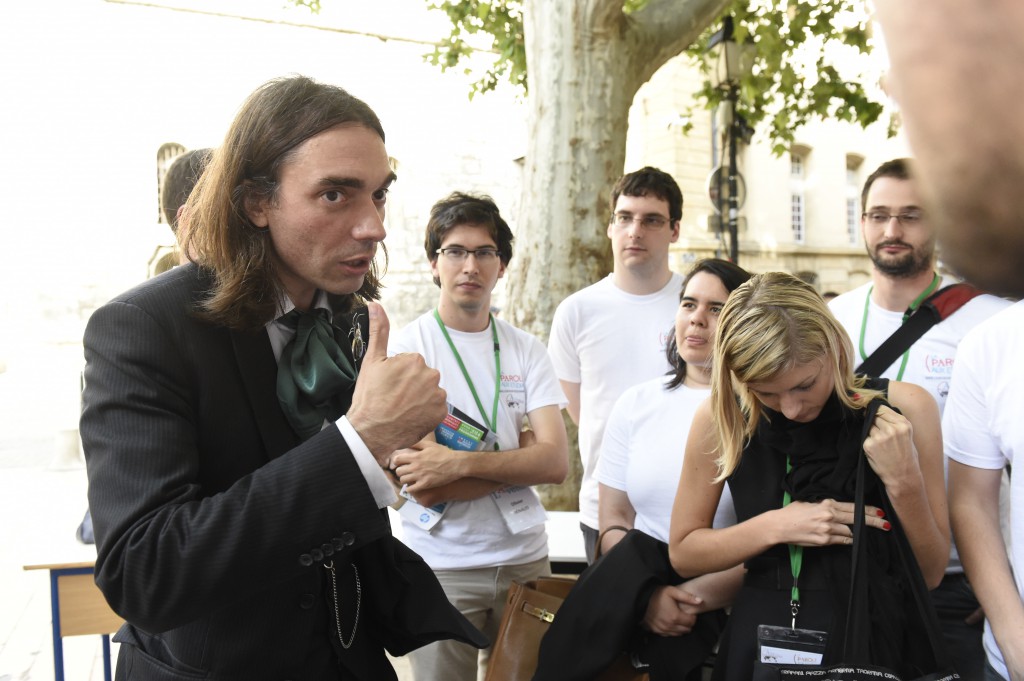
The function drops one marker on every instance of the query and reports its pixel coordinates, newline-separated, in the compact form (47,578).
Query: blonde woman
(783,427)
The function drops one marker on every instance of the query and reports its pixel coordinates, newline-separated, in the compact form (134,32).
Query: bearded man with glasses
(900,241)
(612,335)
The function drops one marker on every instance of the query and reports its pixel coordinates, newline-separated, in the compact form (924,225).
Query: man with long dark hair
(238,419)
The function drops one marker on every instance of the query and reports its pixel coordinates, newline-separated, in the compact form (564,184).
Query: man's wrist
(380,484)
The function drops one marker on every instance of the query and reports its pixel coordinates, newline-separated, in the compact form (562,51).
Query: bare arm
(696,549)
(718,589)
(613,510)
(544,460)
(974,509)
(673,610)
(906,453)
(572,393)
(465,489)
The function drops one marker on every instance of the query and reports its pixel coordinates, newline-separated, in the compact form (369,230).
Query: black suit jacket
(214,522)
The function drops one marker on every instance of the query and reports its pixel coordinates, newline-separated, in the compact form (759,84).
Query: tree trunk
(586,60)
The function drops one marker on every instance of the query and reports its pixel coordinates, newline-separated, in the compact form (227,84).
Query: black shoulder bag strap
(855,644)
(931,311)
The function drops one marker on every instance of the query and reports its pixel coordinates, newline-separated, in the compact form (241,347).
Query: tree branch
(664,28)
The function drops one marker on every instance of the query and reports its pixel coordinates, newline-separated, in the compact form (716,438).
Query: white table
(565,541)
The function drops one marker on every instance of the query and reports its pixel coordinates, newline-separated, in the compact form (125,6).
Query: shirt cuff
(380,486)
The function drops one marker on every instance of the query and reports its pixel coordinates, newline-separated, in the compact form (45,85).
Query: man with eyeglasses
(612,335)
(472,515)
(900,241)
(950,68)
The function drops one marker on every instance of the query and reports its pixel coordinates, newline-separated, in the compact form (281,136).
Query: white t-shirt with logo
(930,362)
(983,425)
(473,534)
(642,452)
(931,357)
(608,340)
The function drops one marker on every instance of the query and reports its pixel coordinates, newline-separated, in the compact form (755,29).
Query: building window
(797,217)
(852,219)
(797,180)
(165,155)
(853,164)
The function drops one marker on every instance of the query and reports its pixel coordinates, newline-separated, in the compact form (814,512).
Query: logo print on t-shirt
(940,365)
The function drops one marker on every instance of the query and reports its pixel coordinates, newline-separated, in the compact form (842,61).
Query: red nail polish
(886,525)
(881,513)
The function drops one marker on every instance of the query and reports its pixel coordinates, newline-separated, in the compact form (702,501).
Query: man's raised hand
(397,400)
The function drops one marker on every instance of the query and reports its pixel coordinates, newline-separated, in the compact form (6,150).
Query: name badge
(520,508)
(784,645)
(423,517)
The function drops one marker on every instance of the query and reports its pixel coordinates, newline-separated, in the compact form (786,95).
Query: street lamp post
(734,209)
(731,62)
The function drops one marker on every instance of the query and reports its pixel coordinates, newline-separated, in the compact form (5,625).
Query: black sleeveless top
(824,455)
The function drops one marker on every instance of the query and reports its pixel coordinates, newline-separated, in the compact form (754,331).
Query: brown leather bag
(529,611)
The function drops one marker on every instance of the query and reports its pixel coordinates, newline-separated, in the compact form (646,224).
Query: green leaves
(495,27)
(809,57)
(810,62)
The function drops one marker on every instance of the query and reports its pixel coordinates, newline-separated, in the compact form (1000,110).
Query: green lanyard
(906,315)
(796,560)
(493,423)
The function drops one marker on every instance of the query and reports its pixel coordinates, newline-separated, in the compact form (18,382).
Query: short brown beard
(908,266)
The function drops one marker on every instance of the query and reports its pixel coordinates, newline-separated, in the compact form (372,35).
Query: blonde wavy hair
(770,324)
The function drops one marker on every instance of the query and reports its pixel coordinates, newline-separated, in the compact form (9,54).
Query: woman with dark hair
(642,449)
(631,597)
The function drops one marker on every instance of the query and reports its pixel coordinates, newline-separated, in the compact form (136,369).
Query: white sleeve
(381,488)
(404,340)
(542,386)
(562,344)
(966,422)
(611,466)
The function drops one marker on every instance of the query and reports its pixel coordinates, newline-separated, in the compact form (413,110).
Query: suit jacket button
(348,538)
(305,560)
(328,549)
(317,555)
(338,543)
(306,602)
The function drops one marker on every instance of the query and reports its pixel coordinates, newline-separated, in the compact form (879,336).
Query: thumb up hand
(397,400)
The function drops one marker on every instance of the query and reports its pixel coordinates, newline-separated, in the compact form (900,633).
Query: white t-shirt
(642,452)
(608,340)
(930,360)
(473,534)
(983,425)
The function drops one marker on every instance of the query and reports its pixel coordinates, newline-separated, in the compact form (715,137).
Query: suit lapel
(256,364)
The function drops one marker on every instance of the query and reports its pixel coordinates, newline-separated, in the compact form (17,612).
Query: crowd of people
(248,417)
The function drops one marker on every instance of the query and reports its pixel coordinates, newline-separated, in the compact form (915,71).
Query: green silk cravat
(314,377)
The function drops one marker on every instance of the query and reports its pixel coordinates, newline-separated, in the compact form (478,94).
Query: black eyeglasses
(650,222)
(877,217)
(458,254)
